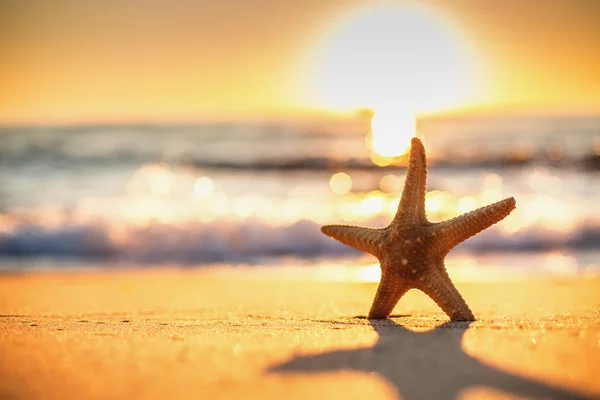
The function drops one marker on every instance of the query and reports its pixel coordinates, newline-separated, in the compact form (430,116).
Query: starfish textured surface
(411,249)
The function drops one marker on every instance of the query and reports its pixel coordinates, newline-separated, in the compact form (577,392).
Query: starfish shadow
(424,365)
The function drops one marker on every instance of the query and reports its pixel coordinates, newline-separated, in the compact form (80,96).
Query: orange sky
(95,61)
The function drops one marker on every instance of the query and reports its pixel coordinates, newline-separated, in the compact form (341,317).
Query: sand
(208,335)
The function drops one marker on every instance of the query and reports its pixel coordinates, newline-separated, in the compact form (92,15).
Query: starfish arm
(437,285)
(391,289)
(412,203)
(364,239)
(450,233)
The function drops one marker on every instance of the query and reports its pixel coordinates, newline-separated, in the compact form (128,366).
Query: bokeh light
(340,183)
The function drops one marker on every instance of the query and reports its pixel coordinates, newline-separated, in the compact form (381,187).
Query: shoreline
(192,333)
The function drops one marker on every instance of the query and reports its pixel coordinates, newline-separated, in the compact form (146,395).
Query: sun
(397,59)
(391,54)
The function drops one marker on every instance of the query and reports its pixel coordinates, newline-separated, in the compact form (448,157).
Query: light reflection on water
(174,211)
(172,201)
(461,266)
(159,193)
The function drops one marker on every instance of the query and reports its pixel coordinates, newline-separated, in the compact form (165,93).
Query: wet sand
(204,334)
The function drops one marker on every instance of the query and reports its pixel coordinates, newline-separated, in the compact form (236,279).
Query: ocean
(256,192)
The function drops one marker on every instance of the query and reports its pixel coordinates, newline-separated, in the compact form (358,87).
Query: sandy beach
(208,334)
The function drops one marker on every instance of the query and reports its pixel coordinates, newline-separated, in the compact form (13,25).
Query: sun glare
(398,60)
(391,131)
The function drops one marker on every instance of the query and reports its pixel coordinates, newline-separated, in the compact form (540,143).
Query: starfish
(412,250)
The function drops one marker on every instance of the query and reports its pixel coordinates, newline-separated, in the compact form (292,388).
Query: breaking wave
(247,241)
